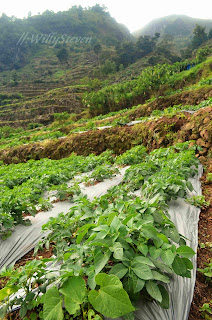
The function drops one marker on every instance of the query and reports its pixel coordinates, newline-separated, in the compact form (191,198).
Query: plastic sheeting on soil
(185,217)
(24,238)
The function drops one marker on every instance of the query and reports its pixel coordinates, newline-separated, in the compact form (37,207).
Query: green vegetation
(119,247)
(132,156)
(118,244)
(114,97)
(198,201)
(206,310)
(207,271)
(23,185)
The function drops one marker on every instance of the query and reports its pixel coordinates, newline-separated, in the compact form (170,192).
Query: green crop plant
(207,271)
(198,201)
(206,310)
(132,156)
(116,248)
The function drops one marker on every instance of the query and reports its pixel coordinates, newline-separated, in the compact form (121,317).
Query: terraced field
(108,194)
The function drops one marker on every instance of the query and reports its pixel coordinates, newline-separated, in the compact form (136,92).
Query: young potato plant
(207,271)
(119,247)
(100,173)
(198,201)
(132,156)
(22,185)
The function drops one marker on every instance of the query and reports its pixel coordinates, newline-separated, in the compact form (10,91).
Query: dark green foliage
(199,37)
(63,55)
(22,38)
(118,96)
(210,34)
(124,246)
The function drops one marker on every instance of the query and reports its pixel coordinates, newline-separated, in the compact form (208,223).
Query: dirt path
(203,289)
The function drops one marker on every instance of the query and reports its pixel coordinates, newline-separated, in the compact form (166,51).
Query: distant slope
(19,37)
(176,25)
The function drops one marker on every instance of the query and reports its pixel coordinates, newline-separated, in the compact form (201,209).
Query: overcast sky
(133,13)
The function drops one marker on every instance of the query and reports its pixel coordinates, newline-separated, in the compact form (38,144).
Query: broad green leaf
(163,267)
(7,291)
(160,277)
(143,248)
(135,284)
(115,225)
(91,280)
(100,260)
(153,291)
(158,242)
(117,250)
(163,237)
(188,263)
(168,256)
(104,280)
(52,309)
(71,306)
(143,260)
(74,288)
(111,299)
(119,270)
(101,243)
(174,235)
(158,217)
(149,232)
(165,297)
(82,232)
(179,266)
(155,253)
(185,252)
(189,185)
(142,271)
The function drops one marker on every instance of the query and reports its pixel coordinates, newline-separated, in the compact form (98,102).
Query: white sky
(133,13)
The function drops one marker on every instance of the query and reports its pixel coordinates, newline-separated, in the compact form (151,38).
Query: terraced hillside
(144,138)
(41,109)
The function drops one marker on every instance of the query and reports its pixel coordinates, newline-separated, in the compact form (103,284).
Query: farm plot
(116,249)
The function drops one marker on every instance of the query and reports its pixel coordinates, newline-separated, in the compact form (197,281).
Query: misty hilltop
(175,25)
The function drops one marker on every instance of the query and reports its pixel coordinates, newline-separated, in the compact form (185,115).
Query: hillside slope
(175,25)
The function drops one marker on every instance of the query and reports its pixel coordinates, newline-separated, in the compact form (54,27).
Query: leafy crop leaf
(144,260)
(154,291)
(135,284)
(111,299)
(74,290)
(119,270)
(143,248)
(168,257)
(52,309)
(185,252)
(155,253)
(100,260)
(188,263)
(165,297)
(7,291)
(160,277)
(142,271)
(149,232)
(179,266)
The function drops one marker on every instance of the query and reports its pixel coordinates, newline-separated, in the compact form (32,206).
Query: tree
(202,54)
(126,53)
(63,55)
(210,34)
(97,49)
(109,67)
(199,36)
(145,45)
